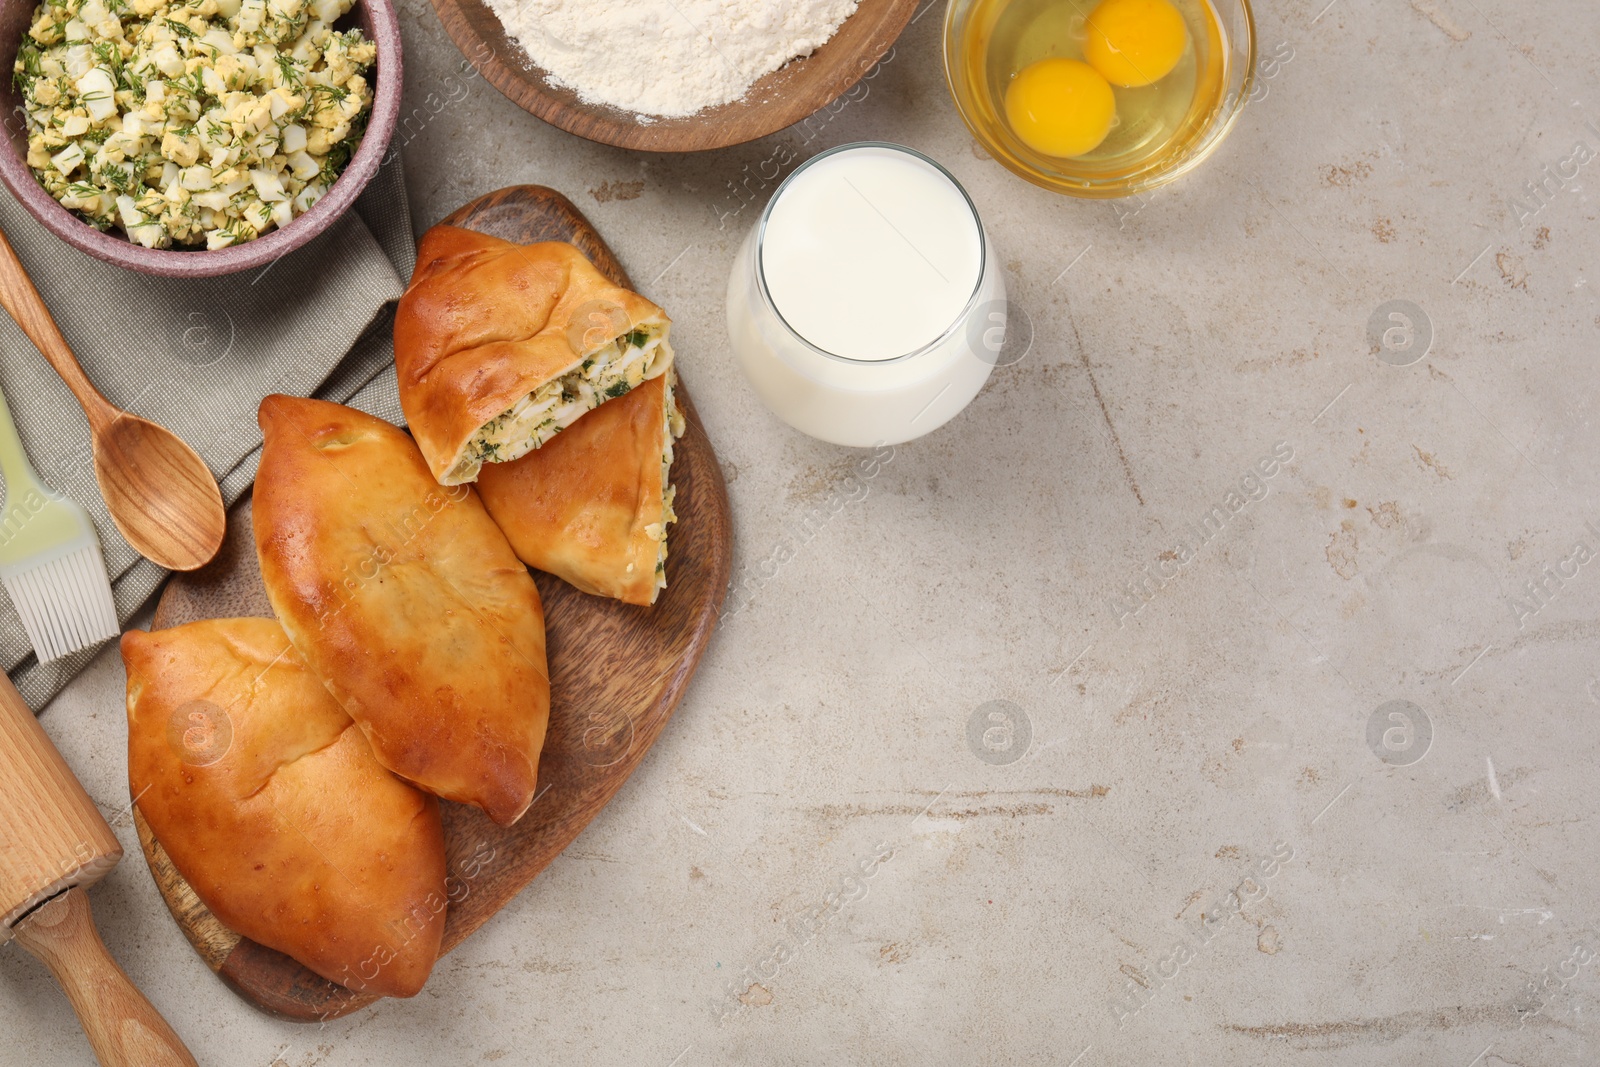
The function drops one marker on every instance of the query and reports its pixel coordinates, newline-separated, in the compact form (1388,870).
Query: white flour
(667,57)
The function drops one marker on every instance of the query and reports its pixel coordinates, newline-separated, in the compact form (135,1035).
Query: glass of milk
(866,306)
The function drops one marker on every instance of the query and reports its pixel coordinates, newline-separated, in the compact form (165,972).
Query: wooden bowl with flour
(789,94)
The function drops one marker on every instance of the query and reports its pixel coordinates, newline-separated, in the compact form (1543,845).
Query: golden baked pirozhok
(500,346)
(406,599)
(593,505)
(271,805)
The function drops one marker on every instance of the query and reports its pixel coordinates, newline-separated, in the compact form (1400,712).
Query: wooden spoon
(161,495)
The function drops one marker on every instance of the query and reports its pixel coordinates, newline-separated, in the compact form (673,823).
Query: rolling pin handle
(122,1026)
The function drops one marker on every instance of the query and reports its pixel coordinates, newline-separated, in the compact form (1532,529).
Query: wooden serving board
(616,674)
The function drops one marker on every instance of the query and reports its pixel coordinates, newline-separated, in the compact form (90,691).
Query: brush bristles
(65,604)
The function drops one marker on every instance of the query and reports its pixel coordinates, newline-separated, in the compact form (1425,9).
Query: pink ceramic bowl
(376,19)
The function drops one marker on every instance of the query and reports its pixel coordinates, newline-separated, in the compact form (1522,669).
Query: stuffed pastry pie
(593,505)
(270,803)
(405,598)
(501,346)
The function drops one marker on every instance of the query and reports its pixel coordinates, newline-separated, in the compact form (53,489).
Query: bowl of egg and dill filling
(194,138)
(1099,98)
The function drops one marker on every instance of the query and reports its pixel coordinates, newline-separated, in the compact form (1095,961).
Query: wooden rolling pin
(54,844)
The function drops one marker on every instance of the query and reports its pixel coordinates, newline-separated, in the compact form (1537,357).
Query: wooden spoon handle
(121,1025)
(19,296)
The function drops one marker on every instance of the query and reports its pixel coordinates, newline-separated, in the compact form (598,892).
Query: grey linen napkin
(197,357)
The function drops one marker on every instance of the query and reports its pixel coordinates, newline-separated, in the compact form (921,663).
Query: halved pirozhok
(501,346)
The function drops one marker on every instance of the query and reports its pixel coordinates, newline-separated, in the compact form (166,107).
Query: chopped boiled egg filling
(192,122)
(669,492)
(606,373)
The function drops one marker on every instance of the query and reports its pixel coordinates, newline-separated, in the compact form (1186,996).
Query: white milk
(864,304)
(871,254)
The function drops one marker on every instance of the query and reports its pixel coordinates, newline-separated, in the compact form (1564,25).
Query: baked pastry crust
(500,346)
(406,599)
(592,506)
(270,803)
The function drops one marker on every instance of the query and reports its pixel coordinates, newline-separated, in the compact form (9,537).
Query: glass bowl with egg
(195,138)
(1099,98)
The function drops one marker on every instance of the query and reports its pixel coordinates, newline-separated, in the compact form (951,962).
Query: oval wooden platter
(795,91)
(616,674)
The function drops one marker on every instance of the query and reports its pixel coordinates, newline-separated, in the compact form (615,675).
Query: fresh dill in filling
(657,531)
(605,374)
(188,123)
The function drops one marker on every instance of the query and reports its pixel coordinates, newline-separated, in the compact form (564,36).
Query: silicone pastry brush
(50,560)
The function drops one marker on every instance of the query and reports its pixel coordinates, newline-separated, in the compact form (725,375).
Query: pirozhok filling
(602,375)
(657,531)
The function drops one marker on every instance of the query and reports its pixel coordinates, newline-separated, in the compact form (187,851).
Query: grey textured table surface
(1187,717)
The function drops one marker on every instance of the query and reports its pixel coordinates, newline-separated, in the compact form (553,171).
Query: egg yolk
(1060,107)
(1134,42)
